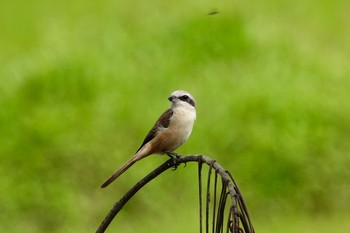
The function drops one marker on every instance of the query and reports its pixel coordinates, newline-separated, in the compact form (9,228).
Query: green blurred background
(75,76)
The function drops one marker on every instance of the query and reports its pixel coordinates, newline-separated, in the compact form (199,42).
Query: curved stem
(172,162)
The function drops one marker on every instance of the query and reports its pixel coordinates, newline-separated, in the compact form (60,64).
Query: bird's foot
(174,157)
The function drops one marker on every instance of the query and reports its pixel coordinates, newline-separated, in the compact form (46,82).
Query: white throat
(182,121)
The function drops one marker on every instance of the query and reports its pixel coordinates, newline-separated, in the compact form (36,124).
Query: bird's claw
(174,167)
(174,156)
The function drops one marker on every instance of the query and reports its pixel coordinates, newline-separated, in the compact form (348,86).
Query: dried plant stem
(238,211)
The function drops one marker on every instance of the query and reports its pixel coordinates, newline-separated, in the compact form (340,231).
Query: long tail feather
(120,171)
(143,152)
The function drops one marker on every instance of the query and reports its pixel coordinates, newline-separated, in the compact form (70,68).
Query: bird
(170,131)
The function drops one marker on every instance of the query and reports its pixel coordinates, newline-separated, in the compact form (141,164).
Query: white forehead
(179,93)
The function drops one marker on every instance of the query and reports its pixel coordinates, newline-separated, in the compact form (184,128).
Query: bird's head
(182,98)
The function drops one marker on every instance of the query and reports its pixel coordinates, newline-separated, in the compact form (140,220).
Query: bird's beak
(171,98)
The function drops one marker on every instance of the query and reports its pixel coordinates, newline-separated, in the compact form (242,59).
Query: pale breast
(181,125)
(178,131)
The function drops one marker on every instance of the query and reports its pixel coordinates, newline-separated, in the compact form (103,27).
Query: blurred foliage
(272,84)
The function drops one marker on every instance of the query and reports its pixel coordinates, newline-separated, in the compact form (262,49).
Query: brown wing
(163,121)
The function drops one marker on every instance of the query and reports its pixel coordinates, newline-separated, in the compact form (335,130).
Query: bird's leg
(174,156)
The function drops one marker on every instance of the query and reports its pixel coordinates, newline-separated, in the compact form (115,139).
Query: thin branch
(208,201)
(174,162)
(200,196)
(214,201)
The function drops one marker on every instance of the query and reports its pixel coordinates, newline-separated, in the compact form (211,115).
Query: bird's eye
(184,97)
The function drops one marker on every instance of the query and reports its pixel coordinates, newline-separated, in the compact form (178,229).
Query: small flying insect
(213,12)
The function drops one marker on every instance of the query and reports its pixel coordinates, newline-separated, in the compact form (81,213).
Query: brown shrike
(170,131)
